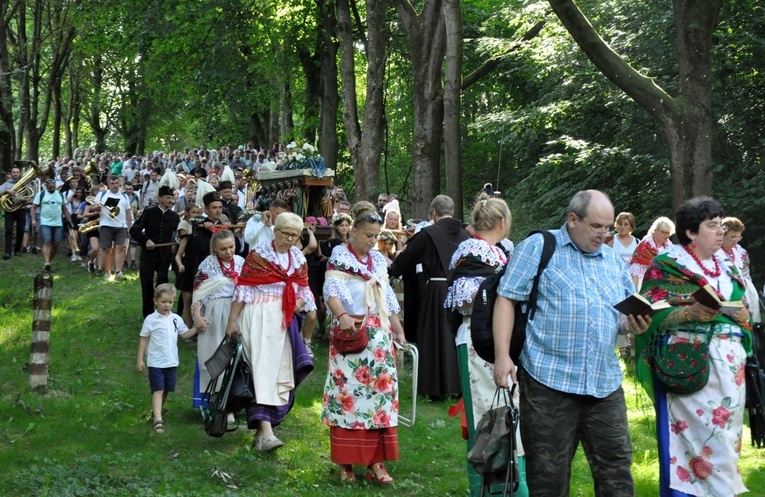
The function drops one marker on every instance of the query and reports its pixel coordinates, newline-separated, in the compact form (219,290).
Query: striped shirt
(570,343)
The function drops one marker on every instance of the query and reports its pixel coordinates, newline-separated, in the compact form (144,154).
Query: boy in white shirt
(159,341)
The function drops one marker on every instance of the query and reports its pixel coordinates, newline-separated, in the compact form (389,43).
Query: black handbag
(755,387)
(242,391)
(217,424)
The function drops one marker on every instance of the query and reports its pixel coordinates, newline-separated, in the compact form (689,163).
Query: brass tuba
(112,212)
(22,192)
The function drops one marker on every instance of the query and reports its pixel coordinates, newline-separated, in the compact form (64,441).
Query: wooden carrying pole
(38,362)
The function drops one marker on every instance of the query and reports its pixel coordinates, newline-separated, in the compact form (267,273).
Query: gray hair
(289,220)
(662,224)
(443,205)
(580,203)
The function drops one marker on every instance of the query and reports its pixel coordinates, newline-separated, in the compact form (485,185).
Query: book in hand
(706,295)
(637,305)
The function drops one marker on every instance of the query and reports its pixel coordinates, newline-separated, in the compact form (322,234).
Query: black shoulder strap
(547,251)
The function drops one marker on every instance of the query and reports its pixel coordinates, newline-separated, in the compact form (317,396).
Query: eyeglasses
(288,236)
(736,238)
(600,232)
(372,217)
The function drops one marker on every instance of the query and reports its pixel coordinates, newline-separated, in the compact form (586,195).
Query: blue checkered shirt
(570,344)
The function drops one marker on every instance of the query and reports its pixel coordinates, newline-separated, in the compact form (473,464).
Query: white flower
(291,146)
(308,148)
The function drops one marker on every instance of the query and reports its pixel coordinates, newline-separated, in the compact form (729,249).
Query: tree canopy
(551,97)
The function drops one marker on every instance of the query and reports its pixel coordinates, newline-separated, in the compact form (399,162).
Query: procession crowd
(258,272)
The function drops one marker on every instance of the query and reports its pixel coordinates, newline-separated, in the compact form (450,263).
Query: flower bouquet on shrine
(302,156)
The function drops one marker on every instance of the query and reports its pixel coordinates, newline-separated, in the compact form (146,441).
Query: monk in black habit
(433,247)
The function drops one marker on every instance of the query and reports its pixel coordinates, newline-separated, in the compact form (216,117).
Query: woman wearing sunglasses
(360,403)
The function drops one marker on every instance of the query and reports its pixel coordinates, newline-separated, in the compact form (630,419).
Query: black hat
(211,197)
(224,185)
(165,190)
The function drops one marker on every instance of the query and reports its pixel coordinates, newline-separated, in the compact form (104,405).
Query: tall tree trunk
(312,73)
(686,119)
(365,146)
(328,95)
(56,120)
(426,37)
(7,139)
(453,105)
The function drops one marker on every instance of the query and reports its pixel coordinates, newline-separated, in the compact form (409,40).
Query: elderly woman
(738,256)
(213,291)
(654,243)
(360,403)
(271,289)
(474,260)
(624,243)
(699,433)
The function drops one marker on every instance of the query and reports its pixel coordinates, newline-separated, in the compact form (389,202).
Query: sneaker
(7,256)
(73,258)
(98,272)
(26,250)
(91,267)
(47,268)
(119,276)
(108,277)
(133,266)
(79,257)
(36,250)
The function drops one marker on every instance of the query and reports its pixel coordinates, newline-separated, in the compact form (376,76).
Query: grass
(90,436)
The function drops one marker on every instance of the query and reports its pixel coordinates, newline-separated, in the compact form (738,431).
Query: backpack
(482,318)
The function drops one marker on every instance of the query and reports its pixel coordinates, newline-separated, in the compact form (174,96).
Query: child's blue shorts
(162,379)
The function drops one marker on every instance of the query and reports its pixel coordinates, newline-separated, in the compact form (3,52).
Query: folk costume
(644,254)
(197,249)
(270,285)
(360,403)
(474,260)
(432,249)
(214,285)
(739,257)
(699,434)
(158,226)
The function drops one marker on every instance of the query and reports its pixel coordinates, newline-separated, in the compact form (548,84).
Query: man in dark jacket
(429,252)
(155,227)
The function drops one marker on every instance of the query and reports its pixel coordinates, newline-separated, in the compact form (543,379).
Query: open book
(706,295)
(637,305)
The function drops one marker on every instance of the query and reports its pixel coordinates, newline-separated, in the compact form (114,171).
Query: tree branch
(641,89)
(495,61)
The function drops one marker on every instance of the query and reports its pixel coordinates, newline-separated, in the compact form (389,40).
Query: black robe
(433,247)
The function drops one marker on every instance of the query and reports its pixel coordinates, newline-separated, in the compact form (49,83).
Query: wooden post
(38,362)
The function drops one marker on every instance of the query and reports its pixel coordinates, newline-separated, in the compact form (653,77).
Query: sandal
(159,426)
(346,474)
(376,473)
(263,444)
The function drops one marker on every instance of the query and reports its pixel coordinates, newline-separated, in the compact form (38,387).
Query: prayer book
(637,305)
(706,295)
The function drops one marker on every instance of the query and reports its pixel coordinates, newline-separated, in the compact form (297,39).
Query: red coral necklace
(368,264)
(711,274)
(730,253)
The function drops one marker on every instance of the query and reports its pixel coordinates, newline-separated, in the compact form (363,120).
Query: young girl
(159,341)
(186,274)
(341,226)
(213,289)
